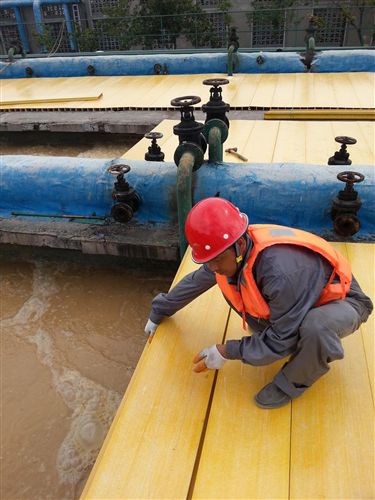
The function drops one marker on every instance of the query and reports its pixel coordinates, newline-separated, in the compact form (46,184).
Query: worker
(295,293)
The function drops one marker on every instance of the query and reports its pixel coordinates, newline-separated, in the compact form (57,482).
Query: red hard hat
(212,226)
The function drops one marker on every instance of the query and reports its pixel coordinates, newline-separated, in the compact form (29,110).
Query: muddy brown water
(71,336)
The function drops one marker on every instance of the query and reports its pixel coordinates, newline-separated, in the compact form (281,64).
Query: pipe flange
(346,224)
(189,147)
(215,122)
(122,212)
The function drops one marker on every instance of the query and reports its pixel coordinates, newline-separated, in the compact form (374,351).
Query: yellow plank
(278,141)
(320,142)
(151,447)
(263,96)
(332,453)
(246,449)
(362,152)
(302,91)
(344,91)
(362,259)
(67,98)
(238,137)
(319,114)
(291,143)
(310,90)
(261,141)
(284,89)
(137,152)
(325,97)
(240,89)
(364,89)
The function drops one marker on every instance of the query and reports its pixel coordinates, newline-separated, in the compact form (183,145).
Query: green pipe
(59,216)
(311,44)
(231,50)
(184,196)
(215,147)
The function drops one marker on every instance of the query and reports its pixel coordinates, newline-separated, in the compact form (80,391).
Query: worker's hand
(150,328)
(210,358)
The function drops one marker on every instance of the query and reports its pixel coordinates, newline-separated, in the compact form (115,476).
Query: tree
(119,23)
(355,15)
(161,22)
(268,19)
(88,39)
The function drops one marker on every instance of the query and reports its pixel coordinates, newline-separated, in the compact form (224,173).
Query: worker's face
(224,264)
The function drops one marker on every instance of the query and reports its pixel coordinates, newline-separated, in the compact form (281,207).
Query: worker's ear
(241,244)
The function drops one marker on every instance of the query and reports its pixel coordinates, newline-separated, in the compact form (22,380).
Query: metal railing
(257,29)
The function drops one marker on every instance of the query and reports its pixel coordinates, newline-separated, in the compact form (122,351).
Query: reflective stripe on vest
(250,300)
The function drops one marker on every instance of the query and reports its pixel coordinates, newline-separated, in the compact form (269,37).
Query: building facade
(79,26)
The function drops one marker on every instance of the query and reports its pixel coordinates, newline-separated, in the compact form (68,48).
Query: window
(217,21)
(210,3)
(58,32)
(52,11)
(7,15)
(333,29)
(106,42)
(98,5)
(76,14)
(268,28)
(9,34)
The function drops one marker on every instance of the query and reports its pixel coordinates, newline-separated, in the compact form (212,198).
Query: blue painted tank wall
(143,64)
(288,194)
(348,60)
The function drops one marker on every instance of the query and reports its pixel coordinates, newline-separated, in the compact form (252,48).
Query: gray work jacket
(290,279)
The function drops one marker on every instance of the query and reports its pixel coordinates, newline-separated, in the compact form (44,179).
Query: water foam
(92,405)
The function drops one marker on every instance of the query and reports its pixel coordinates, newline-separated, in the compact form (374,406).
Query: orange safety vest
(249,299)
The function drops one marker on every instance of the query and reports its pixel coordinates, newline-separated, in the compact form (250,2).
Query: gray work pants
(318,345)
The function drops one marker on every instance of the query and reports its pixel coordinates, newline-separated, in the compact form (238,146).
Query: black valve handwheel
(187,100)
(343,139)
(153,135)
(215,82)
(118,169)
(349,176)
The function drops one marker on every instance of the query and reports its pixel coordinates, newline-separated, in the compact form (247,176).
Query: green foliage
(87,39)
(270,17)
(45,40)
(119,23)
(159,23)
(356,14)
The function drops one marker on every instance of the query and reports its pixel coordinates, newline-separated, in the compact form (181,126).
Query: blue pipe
(10,4)
(69,27)
(288,194)
(38,16)
(36,4)
(21,29)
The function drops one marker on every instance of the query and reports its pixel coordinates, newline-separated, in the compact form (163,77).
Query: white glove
(150,328)
(210,358)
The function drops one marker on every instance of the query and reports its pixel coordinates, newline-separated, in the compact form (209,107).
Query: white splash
(93,406)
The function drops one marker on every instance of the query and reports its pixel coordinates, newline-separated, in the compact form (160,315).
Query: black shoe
(271,397)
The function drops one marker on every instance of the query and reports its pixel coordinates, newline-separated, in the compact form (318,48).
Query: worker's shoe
(271,396)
